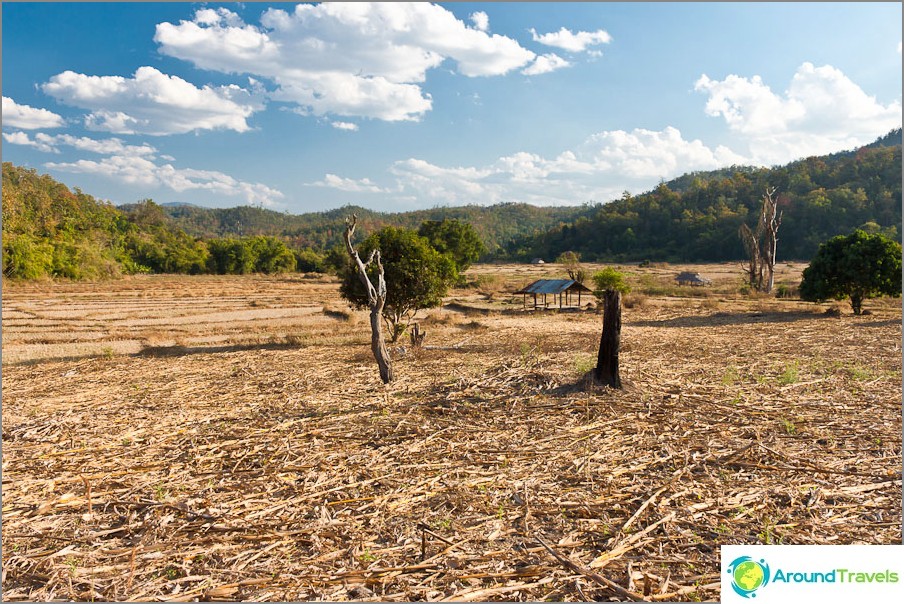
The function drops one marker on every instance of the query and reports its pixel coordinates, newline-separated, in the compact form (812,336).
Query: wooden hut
(565,289)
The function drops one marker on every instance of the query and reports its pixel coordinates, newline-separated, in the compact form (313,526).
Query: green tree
(309,261)
(609,279)
(417,276)
(456,238)
(856,266)
(271,255)
(231,256)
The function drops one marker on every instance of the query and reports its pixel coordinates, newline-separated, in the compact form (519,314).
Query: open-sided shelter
(565,289)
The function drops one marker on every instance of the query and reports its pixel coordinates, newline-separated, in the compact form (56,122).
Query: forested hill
(50,230)
(696,217)
(496,225)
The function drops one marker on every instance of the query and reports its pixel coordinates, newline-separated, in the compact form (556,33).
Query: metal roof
(551,286)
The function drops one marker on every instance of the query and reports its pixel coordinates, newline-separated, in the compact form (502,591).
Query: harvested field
(228,438)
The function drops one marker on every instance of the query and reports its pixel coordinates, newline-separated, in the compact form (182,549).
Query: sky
(401,106)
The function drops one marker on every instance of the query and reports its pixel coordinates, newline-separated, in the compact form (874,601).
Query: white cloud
(22,138)
(364,185)
(153,103)
(345,59)
(345,126)
(28,118)
(52,143)
(480,20)
(147,173)
(545,64)
(140,165)
(572,41)
(599,169)
(821,112)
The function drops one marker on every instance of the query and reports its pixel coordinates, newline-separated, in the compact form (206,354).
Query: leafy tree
(856,266)
(609,279)
(417,276)
(26,257)
(309,261)
(336,261)
(572,262)
(230,256)
(456,238)
(271,255)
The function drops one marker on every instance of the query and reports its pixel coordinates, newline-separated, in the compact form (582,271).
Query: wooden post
(606,371)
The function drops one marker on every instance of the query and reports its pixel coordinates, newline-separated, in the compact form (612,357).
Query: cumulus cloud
(350,185)
(599,169)
(572,41)
(480,20)
(153,103)
(52,143)
(346,59)
(140,165)
(146,172)
(545,64)
(821,112)
(28,118)
(22,138)
(344,126)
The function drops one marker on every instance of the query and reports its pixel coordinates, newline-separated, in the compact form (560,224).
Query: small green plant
(107,352)
(443,524)
(583,363)
(789,426)
(730,376)
(859,373)
(367,557)
(789,375)
(161,493)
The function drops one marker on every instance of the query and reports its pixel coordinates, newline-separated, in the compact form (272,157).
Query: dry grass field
(174,438)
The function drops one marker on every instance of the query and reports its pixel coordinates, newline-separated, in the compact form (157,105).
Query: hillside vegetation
(696,217)
(52,231)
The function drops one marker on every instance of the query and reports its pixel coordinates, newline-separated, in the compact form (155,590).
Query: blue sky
(400,106)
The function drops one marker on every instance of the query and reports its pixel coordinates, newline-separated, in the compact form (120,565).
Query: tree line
(52,231)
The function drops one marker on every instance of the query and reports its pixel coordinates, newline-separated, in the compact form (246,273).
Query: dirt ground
(181,438)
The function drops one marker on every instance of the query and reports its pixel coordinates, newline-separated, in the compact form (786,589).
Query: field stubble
(241,446)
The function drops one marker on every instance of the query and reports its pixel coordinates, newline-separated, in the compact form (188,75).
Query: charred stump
(606,371)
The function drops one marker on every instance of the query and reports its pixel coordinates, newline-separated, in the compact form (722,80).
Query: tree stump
(417,336)
(606,371)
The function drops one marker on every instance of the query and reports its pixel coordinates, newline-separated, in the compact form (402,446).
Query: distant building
(537,261)
(565,289)
(688,278)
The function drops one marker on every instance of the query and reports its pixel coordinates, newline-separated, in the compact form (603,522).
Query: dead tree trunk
(606,371)
(761,244)
(376,300)
(771,219)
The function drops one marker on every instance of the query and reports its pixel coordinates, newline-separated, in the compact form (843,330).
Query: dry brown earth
(224,438)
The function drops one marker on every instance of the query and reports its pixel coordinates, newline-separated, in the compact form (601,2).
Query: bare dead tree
(376,300)
(606,370)
(771,219)
(761,243)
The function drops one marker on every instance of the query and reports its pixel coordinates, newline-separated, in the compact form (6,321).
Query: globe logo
(748,575)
